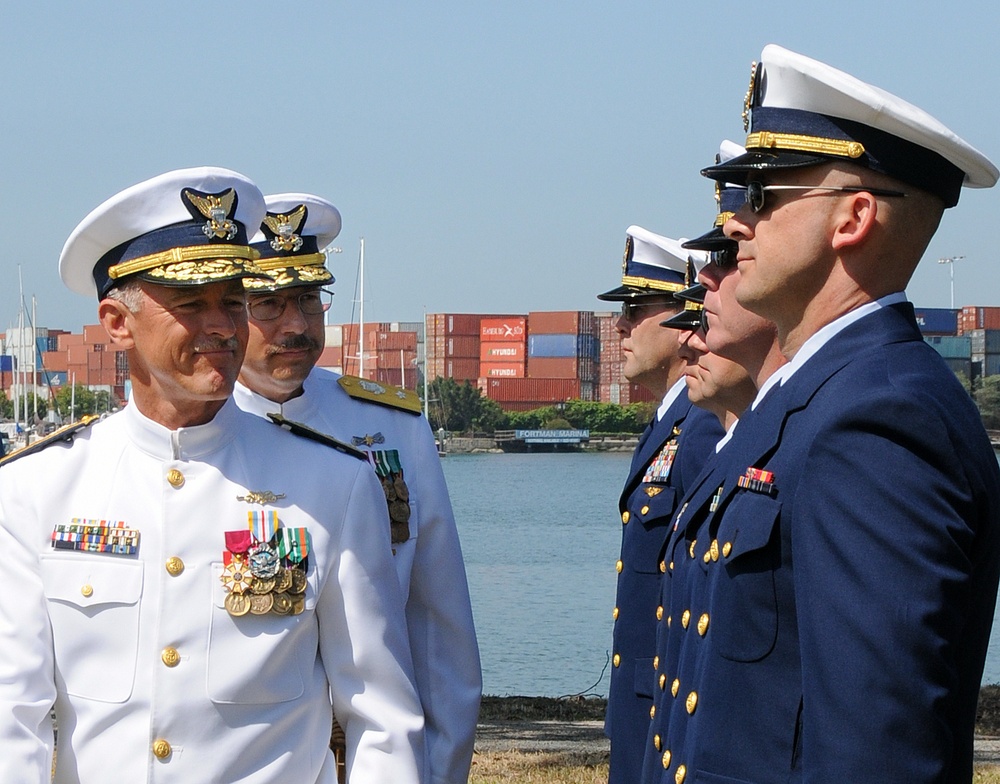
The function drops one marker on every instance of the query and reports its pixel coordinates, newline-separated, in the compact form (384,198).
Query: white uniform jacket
(151,678)
(430,567)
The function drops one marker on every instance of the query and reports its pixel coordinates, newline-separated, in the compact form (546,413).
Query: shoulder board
(64,433)
(314,435)
(383,394)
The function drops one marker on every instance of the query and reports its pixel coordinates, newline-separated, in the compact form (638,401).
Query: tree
(988,399)
(457,407)
(26,409)
(86,401)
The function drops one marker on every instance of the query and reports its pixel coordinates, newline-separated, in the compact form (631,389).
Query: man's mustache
(294,343)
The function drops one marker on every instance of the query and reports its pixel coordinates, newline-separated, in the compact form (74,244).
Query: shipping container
(409,326)
(54,360)
(6,363)
(544,391)
(984,341)
(553,367)
(392,358)
(65,341)
(332,357)
(95,333)
(503,330)
(462,347)
(953,347)
(501,369)
(334,335)
(462,369)
(501,352)
(578,322)
(975,317)
(937,321)
(552,345)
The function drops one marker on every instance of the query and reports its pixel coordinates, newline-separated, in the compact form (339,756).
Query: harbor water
(541,534)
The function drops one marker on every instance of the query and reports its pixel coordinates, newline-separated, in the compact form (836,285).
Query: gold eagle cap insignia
(286,228)
(217,208)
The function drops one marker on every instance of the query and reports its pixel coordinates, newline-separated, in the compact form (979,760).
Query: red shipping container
(550,390)
(63,342)
(501,370)
(501,352)
(977,317)
(95,333)
(561,322)
(506,330)
(463,346)
(55,361)
(388,341)
(462,369)
(77,355)
(332,357)
(553,367)
(393,358)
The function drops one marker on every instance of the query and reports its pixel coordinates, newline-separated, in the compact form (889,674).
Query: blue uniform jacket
(682,440)
(828,622)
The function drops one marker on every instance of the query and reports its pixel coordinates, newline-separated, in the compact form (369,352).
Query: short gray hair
(129,294)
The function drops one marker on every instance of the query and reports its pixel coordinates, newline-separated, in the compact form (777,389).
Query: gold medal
(236,577)
(282,603)
(261,604)
(390,491)
(298,581)
(284,581)
(237,604)
(399,511)
(263,586)
(298,605)
(400,487)
(398,533)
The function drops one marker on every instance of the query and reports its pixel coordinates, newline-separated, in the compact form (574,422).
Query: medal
(284,580)
(389,489)
(237,604)
(402,491)
(264,562)
(299,581)
(263,586)
(236,577)
(282,603)
(298,605)
(261,604)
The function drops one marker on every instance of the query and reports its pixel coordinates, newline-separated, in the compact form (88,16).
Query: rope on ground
(589,691)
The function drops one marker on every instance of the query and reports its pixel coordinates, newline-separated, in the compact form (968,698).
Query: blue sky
(491,154)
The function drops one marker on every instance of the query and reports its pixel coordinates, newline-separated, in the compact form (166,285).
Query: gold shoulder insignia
(315,435)
(383,394)
(65,433)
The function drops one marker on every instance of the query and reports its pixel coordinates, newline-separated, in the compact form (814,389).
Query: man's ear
(854,220)
(114,316)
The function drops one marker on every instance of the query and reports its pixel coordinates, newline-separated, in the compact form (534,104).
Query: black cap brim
(736,170)
(686,319)
(694,293)
(623,293)
(715,239)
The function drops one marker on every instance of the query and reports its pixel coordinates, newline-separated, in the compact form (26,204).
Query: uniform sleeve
(364,646)
(27,687)
(441,630)
(883,551)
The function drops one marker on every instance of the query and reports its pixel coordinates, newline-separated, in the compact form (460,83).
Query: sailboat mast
(361,326)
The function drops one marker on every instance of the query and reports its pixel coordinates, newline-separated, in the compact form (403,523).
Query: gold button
(645,510)
(727,548)
(652,712)
(618,566)
(87,590)
(671,566)
(703,624)
(663,566)
(174,566)
(691,548)
(656,662)
(663,682)
(659,613)
(666,759)
(616,660)
(614,613)
(656,742)
(669,619)
(674,687)
(625,517)
(707,556)
(714,549)
(175,477)
(680,775)
(170,657)
(161,749)
(686,618)
(692,702)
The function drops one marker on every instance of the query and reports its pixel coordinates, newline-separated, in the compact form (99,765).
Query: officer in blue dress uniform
(669,454)
(833,581)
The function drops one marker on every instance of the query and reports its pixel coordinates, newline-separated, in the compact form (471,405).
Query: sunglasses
(755,191)
(724,259)
(631,310)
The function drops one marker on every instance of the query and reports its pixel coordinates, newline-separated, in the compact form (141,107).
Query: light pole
(950,261)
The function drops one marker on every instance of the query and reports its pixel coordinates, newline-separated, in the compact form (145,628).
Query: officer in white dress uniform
(278,376)
(193,583)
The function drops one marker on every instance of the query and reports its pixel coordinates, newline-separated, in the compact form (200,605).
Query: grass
(542,768)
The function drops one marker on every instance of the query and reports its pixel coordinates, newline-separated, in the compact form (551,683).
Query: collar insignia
(217,207)
(371,386)
(285,230)
(260,497)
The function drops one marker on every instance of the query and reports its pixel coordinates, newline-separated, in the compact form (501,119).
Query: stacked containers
(451,341)
(975,317)
(985,350)
(563,344)
(956,351)
(613,387)
(937,321)
(502,345)
(389,356)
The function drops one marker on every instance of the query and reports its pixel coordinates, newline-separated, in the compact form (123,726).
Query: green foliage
(86,401)
(27,408)
(459,407)
(987,397)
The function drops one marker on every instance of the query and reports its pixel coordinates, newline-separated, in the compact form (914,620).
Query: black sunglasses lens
(755,195)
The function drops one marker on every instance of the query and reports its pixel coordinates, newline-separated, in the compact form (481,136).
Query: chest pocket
(93,605)
(647,529)
(744,608)
(259,659)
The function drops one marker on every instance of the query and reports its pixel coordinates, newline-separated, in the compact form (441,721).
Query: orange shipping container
(394,341)
(507,330)
(332,356)
(466,347)
(462,369)
(501,352)
(561,322)
(501,370)
(553,367)
(63,342)
(975,317)
(95,333)
(54,360)
(548,390)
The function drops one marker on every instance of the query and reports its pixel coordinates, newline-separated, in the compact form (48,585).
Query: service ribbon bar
(96,536)
(263,524)
(758,480)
